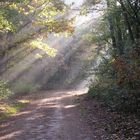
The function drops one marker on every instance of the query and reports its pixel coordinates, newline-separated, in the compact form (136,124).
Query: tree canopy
(25,19)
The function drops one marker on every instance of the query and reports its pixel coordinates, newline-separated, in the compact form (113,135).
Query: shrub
(118,95)
(5,91)
(22,88)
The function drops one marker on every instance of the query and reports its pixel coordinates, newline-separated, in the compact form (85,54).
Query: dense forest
(117,75)
(42,48)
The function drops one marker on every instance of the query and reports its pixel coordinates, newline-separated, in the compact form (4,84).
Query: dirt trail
(54,115)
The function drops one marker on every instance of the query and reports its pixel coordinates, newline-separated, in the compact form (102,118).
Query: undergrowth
(117,92)
(7,110)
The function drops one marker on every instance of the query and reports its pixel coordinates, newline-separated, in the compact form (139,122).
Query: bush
(22,88)
(108,88)
(5,91)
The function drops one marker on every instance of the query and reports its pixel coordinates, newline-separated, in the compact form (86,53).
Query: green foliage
(5,92)
(8,110)
(117,84)
(22,88)
(118,73)
(25,20)
(4,23)
(44,47)
(104,87)
(10,17)
(16,14)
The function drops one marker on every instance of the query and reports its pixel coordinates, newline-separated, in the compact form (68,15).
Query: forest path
(51,115)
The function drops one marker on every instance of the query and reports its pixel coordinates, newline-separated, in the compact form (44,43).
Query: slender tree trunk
(119,40)
(127,22)
(111,29)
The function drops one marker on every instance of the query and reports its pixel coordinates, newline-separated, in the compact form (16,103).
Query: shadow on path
(52,115)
